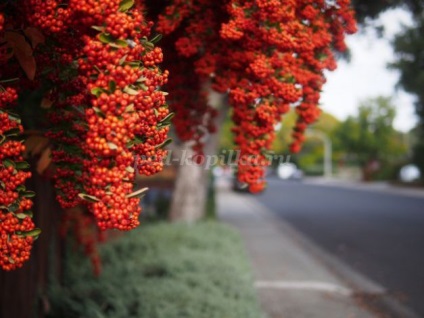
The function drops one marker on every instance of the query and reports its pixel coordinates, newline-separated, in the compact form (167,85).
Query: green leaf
(14,117)
(112,146)
(121,43)
(139,140)
(98,111)
(134,64)
(32,233)
(106,38)
(138,193)
(122,60)
(114,45)
(164,144)
(22,165)
(97,69)
(136,141)
(112,86)
(9,163)
(130,108)
(164,125)
(148,45)
(166,121)
(10,80)
(88,198)
(156,38)
(98,28)
(143,87)
(130,91)
(13,207)
(125,5)
(2,138)
(21,216)
(12,132)
(167,118)
(28,194)
(97,91)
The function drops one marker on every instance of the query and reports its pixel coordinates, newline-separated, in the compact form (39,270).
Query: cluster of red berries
(17,230)
(16,226)
(15,244)
(125,115)
(63,99)
(51,16)
(194,117)
(269,55)
(67,134)
(289,73)
(113,111)
(328,24)
(109,119)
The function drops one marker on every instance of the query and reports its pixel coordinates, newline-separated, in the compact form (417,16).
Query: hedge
(161,271)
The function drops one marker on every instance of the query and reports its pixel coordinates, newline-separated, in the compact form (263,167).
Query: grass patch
(162,271)
(210,199)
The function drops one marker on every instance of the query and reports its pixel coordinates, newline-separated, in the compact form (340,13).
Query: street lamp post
(328,165)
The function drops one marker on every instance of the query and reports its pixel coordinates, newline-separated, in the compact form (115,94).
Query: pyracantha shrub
(105,117)
(17,230)
(268,55)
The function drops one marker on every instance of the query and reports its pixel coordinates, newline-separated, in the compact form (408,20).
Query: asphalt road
(379,235)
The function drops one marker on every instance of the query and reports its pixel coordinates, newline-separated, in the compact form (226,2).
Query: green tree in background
(310,159)
(409,49)
(369,139)
(226,137)
(371,9)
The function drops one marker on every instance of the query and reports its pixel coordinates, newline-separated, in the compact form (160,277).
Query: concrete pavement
(291,282)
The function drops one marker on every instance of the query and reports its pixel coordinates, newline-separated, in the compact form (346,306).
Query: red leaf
(44,161)
(23,52)
(27,63)
(35,36)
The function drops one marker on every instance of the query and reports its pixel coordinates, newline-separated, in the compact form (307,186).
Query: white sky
(366,74)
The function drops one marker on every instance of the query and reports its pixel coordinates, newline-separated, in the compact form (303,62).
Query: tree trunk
(190,193)
(189,197)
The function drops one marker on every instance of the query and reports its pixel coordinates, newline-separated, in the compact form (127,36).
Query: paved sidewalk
(291,282)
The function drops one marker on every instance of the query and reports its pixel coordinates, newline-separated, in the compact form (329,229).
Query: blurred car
(289,171)
(239,186)
(409,173)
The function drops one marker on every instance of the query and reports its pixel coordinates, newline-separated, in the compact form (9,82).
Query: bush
(162,271)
